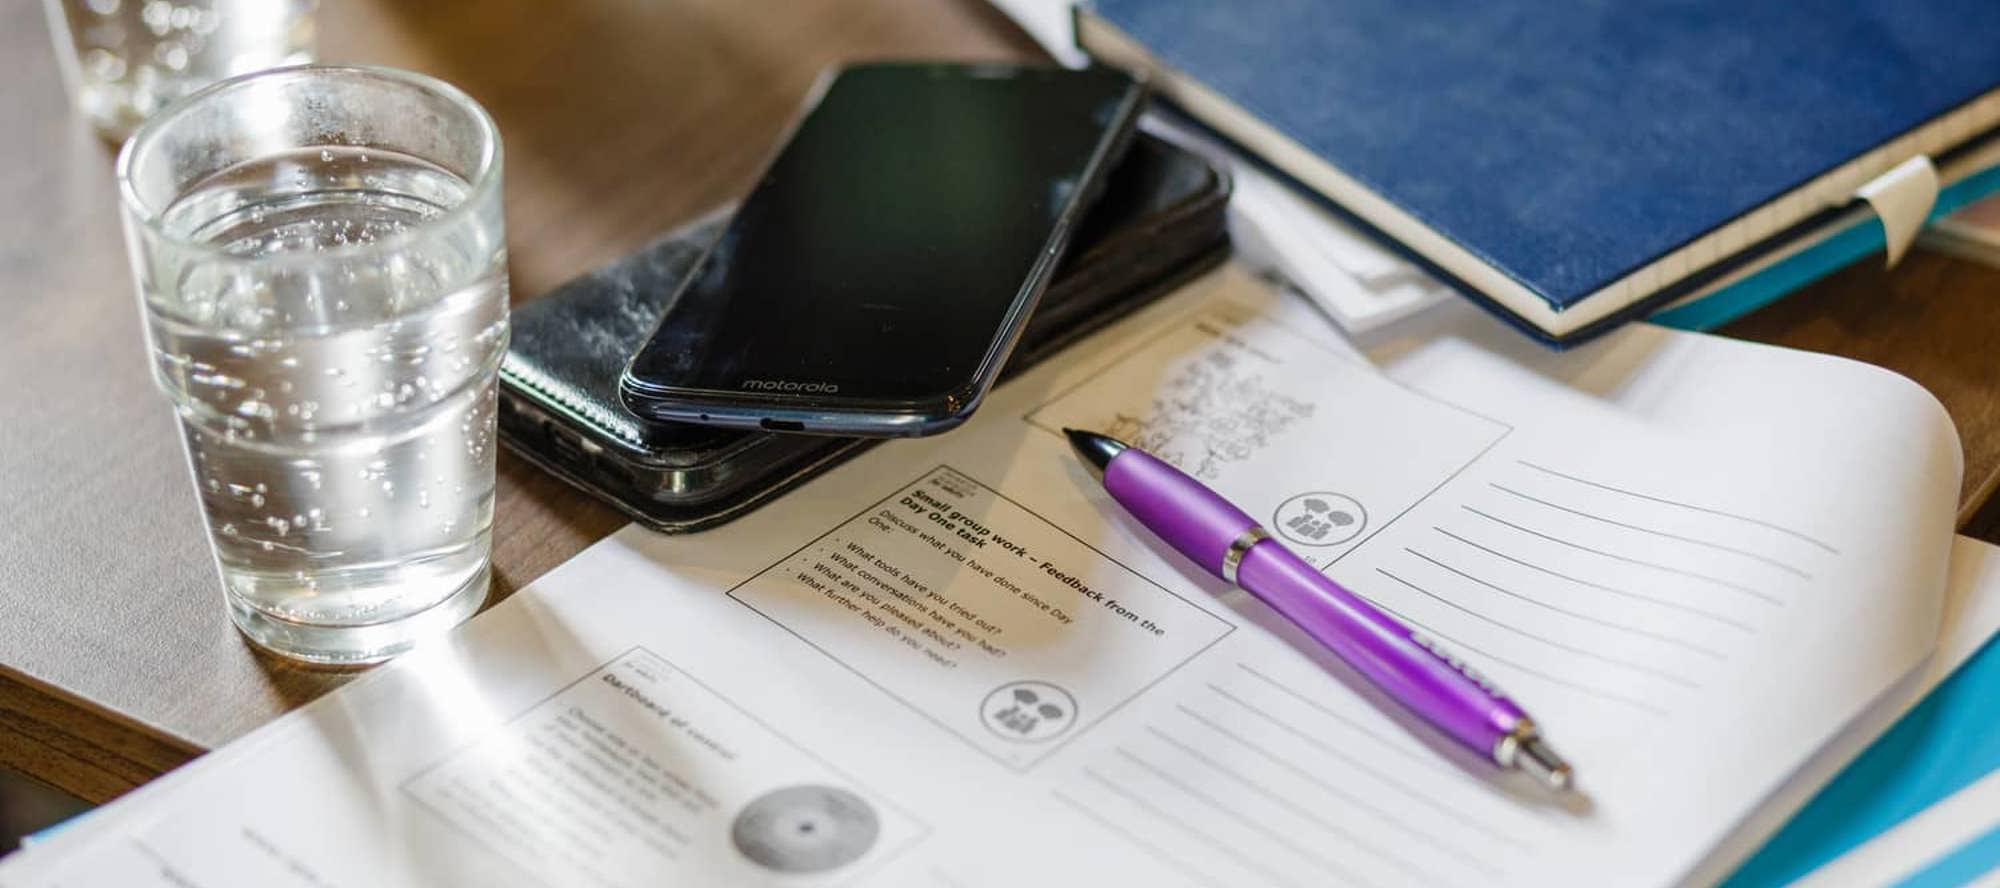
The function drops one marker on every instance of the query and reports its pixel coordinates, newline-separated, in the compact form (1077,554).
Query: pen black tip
(1095,449)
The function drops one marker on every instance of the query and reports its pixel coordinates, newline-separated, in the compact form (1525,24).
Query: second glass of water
(321,263)
(125,59)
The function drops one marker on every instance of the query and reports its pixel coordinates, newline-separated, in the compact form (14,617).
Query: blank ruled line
(1641,668)
(1404,748)
(1581,688)
(1401,745)
(1754,556)
(1663,602)
(1643,633)
(1312,739)
(1175,863)
(1227,849)
(1363,542)
(940,877)
(1664,501)
(1726,584)
(1316,819)
(1251,823)
(1349,798)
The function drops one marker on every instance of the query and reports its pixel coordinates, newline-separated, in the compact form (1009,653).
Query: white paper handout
(954,662)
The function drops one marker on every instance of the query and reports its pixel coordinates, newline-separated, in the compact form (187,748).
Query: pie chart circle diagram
(805,829)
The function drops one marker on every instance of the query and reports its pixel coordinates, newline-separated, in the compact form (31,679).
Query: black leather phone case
(1159,222)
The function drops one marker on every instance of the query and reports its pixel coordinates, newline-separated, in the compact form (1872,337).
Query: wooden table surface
(621,118)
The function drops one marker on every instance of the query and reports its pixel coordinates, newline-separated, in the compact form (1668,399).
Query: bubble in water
(256,499)
(325,156)
(158,16)
(172,55)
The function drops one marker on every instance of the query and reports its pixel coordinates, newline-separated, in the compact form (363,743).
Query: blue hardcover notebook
(1574,163)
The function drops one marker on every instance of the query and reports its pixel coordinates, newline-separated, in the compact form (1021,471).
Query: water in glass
(339,415)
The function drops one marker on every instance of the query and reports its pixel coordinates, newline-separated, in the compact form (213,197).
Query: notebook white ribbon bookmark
(1902,198)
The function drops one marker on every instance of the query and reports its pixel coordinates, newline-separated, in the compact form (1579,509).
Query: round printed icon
(805,829)
(1319,519)
(1028,711)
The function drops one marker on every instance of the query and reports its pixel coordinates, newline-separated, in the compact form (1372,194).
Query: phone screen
(882,255)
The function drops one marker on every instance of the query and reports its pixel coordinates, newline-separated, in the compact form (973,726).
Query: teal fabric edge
(1941,746)
(1976,857)
(1831,254)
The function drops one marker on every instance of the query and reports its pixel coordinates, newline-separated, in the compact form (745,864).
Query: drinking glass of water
(321,264)
(125,59)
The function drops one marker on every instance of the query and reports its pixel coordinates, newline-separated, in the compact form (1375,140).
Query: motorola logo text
(788,385)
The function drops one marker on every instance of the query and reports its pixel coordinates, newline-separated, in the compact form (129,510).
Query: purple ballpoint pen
(1409,666)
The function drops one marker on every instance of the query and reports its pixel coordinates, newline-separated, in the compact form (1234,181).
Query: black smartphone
(876,278)
(1160,221)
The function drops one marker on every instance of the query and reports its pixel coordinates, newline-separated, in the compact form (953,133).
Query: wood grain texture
(78,749)
(621,118)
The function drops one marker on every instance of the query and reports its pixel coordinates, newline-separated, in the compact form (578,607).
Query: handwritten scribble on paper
(1218,408)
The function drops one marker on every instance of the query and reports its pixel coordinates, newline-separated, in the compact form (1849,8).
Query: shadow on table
(27,807)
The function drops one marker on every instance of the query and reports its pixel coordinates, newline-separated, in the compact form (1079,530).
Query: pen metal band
(1233,559)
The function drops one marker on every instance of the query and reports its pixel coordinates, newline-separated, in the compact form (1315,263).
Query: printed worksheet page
(955,662)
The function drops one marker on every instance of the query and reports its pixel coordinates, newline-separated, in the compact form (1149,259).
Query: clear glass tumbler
(321,264)
(125,59)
